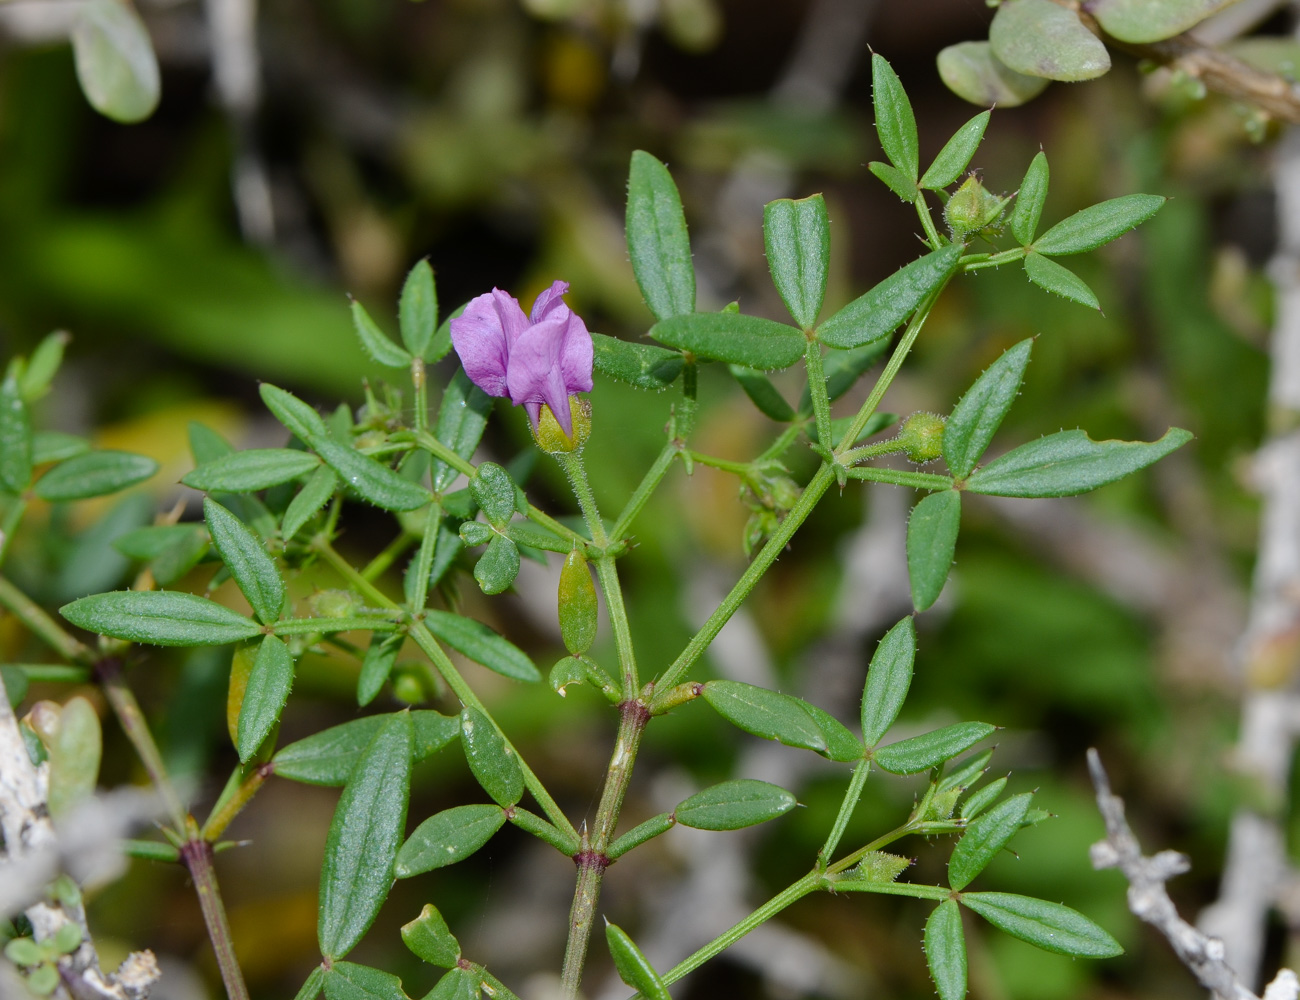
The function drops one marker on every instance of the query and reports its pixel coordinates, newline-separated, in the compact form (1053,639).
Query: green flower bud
(550,436)
(922,437)
(971,208)
(577,604)
(333,603)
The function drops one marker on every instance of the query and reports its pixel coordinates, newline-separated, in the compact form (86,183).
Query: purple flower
(541,358)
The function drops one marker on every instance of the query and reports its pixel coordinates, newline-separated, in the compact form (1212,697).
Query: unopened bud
(550,436)
(922,437)
(971,208)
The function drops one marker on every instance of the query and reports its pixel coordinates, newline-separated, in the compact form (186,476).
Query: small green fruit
(922,437)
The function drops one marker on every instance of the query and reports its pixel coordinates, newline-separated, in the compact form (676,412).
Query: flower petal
(532,358)
(576,355)
(483,335)
(548,301)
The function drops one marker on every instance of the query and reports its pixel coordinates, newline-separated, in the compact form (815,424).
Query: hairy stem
(197,855)
(901,477)
(42,625)
(851,797)
(607,573)
(645,489)
(817,391)
(573,466)
(232,806)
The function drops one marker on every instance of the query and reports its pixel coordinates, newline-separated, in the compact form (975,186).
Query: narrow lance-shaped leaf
(376,342)
(264,696)
(328,757)
(462,415)
(895,122)
(94,474)
(734,805)
(735,338)
(376,665)
(249,471)
(931,540)
(160,617)
(657,242)
(888,680)
(242,551)
(450,836)
(797,236)
(1067,463)
(1028,208)
(490,758)
(759,388)
(55,446)
(765,713)
(1038,38)
(43,365)
(430,939)
(15,437)
(315,494)
(895,180)
(364,837)
(1049,926)
(841,744)
(945,950)
(929,749)
(882,310)
(481,644)
(1052,277)
(984,838)
(1099,224)
(979,413)
(301,419)
(956,154)
(642,365)
(417,310)
(116,65)
(633,967)
(372,481)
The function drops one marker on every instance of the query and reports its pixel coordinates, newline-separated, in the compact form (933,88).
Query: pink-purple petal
(480,341)
(576,355)
(548,300)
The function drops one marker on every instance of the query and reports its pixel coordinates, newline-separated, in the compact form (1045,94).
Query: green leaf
(321,485)
(16,444)
(264,697)
(364,837)
(931,540)
(882,310)
(945,950)
(969,772)
(445,552)
(734,805)
(42,366)
(1049,926)
(921,752)
(249,471)
(314,983)
(1099,224)
(447,837)
(972,72)
(979,413)
(417,311)
(481,644)
(15,683)
(302,420)
(759,388)
(116,65)
(576,603)
(981,800)
(462,415)
(1038,38)
(242,552)
(956,153)
(734,338)
(895,123)
(206,445)
(1067,463)
(1052,277)
(430,939)
(94,474)
(490,758)
(841,744)
(376,342)
(328,757)
(895,180)
(373,482)
(642,365)
(797,235)
(657,241)
(765,713)
(348,981)
(984,838)
(55,446)
(1029,200)
(494,492)
(1142,21)
(633,967)
(888,680)
(160,617)
(497,568)
(458,984)
(75,750)
(376,665)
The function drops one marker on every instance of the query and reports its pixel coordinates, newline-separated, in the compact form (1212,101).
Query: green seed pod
(577,604)
(922,437)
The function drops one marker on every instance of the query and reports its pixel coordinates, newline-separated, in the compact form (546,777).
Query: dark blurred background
(493,137)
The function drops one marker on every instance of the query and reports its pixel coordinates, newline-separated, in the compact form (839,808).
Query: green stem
(871,451)
(607,573)
(53,673)
(306,626)
(776,544)
(387,556)
(350,573)
(232,806)
(42,625)
(542,830)
(197,855)
(742,469)
(782,444)
(927,222)
(851,797)
(649,483)
(421,385)
(901,477)
(996,260)
(9,526)
(573,466)
(817,391)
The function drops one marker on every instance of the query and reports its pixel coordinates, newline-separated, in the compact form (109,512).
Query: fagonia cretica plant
(269,513)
